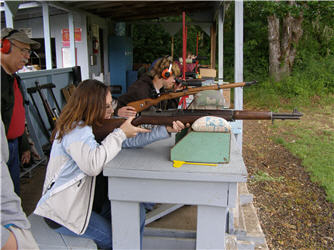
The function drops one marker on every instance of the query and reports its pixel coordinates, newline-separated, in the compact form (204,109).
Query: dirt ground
(293,211)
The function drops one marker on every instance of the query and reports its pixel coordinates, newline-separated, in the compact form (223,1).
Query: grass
(264,176)
(311,139)
(313,143)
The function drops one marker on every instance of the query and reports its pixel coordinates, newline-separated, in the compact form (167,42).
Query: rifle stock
(189,116)
(144,104)
(49,112)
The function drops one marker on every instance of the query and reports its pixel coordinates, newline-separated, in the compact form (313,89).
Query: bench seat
(47,239)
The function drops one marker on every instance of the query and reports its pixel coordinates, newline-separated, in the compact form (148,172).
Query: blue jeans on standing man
(14,164)
(99,227)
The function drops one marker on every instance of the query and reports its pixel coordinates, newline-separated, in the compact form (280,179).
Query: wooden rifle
(144,104)
(51,114)
(189,116)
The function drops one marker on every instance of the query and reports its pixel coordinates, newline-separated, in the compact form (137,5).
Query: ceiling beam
(68,8)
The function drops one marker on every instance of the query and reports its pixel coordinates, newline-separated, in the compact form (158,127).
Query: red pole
(184,38)
(197,53)
(182,101)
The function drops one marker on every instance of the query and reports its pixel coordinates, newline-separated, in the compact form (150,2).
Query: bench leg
(125,225)
(211,226)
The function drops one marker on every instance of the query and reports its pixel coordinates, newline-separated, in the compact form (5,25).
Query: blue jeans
(99,228)
(14,164)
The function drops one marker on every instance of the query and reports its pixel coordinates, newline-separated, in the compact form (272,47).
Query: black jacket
(7,105)
(141,89)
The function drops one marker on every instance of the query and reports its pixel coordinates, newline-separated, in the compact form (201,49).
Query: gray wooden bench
(48,239)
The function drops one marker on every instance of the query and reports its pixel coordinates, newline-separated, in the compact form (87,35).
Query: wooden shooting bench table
(147,175)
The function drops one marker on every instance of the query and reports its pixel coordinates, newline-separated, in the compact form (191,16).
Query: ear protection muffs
(167,72)
(5,45)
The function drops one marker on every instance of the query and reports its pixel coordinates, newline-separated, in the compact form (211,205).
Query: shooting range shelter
(90,34)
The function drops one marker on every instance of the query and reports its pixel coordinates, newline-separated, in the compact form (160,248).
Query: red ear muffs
(167,72)
(5,46)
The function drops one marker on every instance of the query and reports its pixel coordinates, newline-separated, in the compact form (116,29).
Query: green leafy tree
(287,22)
(151,40)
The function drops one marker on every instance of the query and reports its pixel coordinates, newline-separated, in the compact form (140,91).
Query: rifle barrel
(293,116)
(143,104)
(250,83)
(189,116)
(190,82)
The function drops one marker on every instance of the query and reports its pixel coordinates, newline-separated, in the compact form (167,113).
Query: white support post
(220,45)
(238,63)
(47,39)
(71,31)
(8,16)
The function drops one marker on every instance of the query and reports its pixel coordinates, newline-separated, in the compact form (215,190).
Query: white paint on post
(71,31)
(8,16)
(47,39)
(220,47)
(238,64)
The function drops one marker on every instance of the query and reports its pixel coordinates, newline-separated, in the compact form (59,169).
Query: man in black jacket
(15,52)
(159,79)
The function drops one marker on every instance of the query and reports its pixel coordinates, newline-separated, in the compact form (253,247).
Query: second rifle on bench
(51,113)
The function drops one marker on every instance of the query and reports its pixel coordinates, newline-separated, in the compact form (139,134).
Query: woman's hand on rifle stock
(130,130)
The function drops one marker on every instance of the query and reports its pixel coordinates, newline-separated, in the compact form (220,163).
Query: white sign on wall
(66,56)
